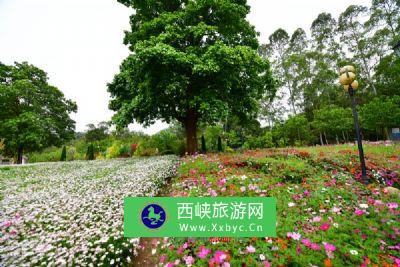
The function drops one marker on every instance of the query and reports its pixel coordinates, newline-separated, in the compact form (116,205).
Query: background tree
(333,121)
(191,61)
(298,130)
(323,60)
(33,114)
(97,133)
(359,42)
(379,115)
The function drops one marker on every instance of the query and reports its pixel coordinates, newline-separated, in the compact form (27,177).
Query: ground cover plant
(71,213)
(326,217)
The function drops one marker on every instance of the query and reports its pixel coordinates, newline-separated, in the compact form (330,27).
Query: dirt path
(146,254)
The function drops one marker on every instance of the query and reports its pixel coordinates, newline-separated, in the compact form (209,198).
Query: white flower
(353,252)
(262,257)
(79,204)
(364,206)
(291,204)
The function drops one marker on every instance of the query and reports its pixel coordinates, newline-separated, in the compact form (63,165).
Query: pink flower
(267,264)
(315,246)
(179,250)
(329,247)
(212,192)
(359,212)
(306,193)
(316,219)
(324,226)
(7,224)
(221,182)
(162,258)
(188,260)
(169,264)
(219,256)
(250,249)
(336,210)
(392,205)
(294,235)
(203,252)
(306,242)
(298,250)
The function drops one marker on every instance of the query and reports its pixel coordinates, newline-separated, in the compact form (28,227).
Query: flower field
(326,217)
(57,214)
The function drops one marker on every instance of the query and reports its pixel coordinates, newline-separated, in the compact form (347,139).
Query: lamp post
(348,80)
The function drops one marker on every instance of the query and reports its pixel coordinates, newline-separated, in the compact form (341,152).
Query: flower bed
(325,216)
(72,213)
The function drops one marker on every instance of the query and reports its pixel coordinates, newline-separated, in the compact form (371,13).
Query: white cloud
(79,42)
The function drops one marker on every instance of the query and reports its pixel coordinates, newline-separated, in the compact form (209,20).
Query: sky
(79,43)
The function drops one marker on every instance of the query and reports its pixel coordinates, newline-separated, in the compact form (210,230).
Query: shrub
(71,154)
(113,151)
(145,151)
(124,151)
(167,142)
(133,148)
(50,154)
(219,144)
(146,148)
(90,152)
(64,154)
(203,144)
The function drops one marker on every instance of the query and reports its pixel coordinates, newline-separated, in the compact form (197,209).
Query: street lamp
(348,80)
(396,48)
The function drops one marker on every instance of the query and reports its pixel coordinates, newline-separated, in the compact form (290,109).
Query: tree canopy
(191,61)
(33,113)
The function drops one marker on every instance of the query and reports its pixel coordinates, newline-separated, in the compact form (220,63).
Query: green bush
(146,149)
(64,154)
(90,152)
(264,141)
(219,144)
(168,141)
(50,154)
(203,145)
(113,151)
(72,154)
(124,150)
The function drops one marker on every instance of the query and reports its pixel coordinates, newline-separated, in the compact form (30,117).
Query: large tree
(191,61)
(33,114)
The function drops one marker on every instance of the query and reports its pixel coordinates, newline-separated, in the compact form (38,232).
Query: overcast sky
(79,42)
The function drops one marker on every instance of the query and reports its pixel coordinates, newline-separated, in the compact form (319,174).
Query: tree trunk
(386,133)
(20,154)
(326,139)
(320,139)
(191,132)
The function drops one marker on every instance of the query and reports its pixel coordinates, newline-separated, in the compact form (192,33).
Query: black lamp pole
(359,140)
